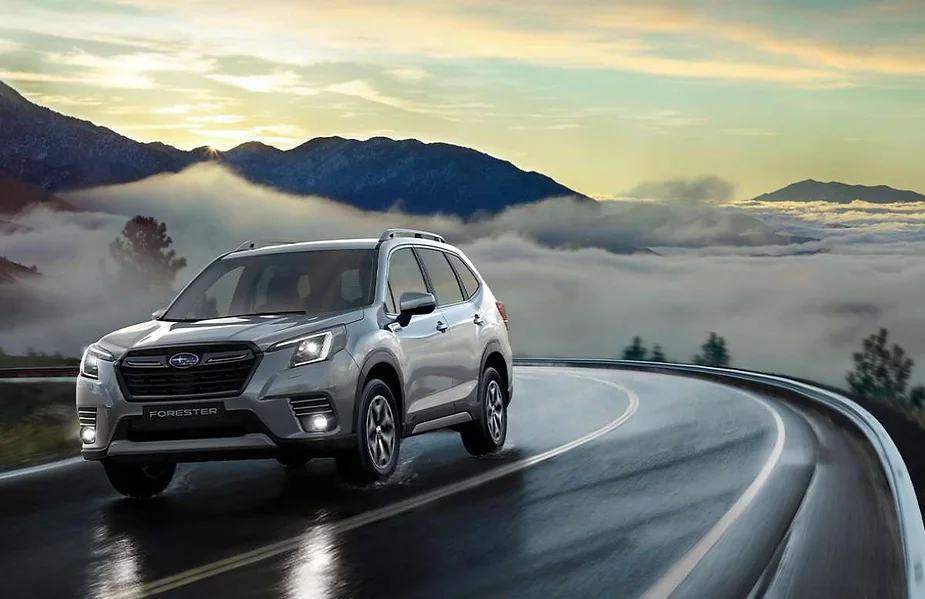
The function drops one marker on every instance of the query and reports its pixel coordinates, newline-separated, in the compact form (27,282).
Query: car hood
(263,331)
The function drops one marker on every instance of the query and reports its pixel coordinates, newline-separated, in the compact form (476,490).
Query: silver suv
(298,350)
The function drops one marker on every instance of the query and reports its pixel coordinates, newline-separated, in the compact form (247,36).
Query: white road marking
(40,468)
(262,553)
(672,579)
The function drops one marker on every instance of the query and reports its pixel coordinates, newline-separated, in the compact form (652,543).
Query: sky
(602,96)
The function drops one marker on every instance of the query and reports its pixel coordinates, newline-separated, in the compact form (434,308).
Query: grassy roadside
(38,423)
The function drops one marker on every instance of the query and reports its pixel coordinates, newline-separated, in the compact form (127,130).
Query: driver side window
(404,276)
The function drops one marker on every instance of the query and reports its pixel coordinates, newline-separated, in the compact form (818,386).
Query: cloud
(798,315)
(578,35)
(9,46)
(685,190)
(281,81)
(408,74)
(753,132)
(359,88)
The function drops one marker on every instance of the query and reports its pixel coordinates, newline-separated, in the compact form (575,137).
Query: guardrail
(912,529)
(29,372)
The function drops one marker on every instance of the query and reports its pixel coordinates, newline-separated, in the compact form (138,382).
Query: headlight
(316,347)
(90,363)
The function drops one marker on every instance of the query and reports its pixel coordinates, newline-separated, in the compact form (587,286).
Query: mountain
(18,196)
(13,272)
(58,152)
(841,193)
(420,178)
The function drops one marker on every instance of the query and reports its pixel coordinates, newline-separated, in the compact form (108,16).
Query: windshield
(310,282)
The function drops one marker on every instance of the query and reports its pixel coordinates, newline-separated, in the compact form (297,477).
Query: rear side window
(446,287)
(468,278)
(404,276)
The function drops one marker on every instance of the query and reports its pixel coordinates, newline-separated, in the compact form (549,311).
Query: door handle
(477,319)
(441,326)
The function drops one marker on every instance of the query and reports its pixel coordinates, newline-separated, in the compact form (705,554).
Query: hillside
(58,152)
(18,196)
(841,193)
(14,272)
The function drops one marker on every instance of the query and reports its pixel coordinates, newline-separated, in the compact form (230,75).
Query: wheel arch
(493,357)
(383,365)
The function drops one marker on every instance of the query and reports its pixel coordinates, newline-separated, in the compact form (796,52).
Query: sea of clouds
(719,266)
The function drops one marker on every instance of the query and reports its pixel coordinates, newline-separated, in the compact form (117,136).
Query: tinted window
(405,275)
(315,282)
(446,287)
(468,278)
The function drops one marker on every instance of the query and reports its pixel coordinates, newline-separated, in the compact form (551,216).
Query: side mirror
(413,303)
(156,315)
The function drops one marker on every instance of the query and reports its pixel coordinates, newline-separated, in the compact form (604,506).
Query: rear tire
(486,435)
(139,482)
(378,437)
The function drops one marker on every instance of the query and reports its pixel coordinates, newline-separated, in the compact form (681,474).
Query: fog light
(319,423)
(88,435)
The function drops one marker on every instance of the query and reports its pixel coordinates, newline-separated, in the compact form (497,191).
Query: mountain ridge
(840,193)
(58,152)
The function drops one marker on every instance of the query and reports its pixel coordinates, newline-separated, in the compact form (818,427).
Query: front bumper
(258,423)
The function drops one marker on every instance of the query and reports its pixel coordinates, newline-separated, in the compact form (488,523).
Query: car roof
(306,246)
(284,247)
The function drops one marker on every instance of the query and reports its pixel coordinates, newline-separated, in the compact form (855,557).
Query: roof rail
(393,233)
(254,245)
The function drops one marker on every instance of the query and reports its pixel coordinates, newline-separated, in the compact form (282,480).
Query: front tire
(378,438)
(486,435)
(139,482)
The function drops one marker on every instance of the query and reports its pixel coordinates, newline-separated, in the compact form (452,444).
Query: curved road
(614,484)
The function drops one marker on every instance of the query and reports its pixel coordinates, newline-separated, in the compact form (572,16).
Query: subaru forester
(296,350)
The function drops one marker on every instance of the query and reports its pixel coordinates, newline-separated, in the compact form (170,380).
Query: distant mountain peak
(810,190)
(253,147)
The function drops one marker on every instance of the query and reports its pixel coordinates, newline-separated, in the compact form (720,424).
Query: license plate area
(184,415)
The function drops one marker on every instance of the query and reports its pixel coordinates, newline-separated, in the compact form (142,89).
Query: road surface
(613,484)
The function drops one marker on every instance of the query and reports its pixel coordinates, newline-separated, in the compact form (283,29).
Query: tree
(143,254)
(713,352)
(657,354)
(635,351)
(917,396)
(882,373)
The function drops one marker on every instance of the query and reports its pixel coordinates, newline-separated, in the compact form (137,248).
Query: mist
(567,294)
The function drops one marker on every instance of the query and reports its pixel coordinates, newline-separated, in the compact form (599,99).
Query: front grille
(86,417)
(310,406)
(222,371)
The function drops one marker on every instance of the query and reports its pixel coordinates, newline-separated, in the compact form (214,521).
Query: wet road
(613,484)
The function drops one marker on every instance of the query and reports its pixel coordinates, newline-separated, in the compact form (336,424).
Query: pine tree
(143,254)
(657,354)
(635,351)
(882,373)
(713,352)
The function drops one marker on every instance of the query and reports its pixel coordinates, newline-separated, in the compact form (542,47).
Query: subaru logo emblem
(183,360)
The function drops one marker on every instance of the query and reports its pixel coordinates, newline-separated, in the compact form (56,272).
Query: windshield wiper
(274,313)
(180,319)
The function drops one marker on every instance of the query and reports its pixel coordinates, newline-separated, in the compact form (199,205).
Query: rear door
(460,319)
(426,350)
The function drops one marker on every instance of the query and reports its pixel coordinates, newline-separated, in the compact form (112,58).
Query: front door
(427,352)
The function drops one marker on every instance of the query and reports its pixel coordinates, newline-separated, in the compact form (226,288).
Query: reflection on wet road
(609,484)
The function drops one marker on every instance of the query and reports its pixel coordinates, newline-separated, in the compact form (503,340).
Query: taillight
(502,310)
